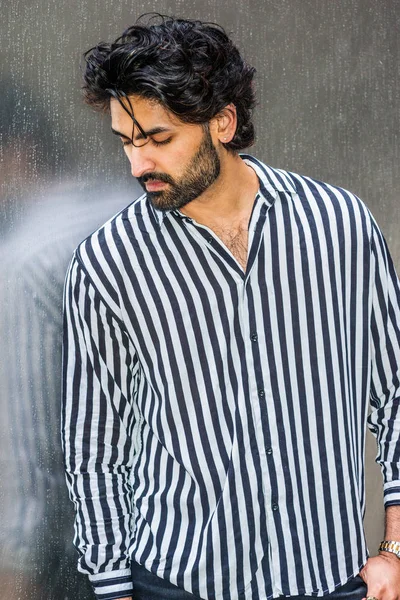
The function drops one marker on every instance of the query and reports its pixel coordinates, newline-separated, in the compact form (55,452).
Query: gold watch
(390,546)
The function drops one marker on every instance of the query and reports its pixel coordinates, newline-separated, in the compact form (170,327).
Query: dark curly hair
(192,68)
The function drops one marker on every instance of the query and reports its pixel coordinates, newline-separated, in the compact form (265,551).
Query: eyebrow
(140,136)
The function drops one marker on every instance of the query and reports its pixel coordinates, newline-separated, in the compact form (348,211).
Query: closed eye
(155,142)
(162,142)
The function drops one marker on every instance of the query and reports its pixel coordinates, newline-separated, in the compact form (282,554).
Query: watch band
(390,546)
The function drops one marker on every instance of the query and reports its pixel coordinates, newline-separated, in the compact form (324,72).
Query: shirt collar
(272,181)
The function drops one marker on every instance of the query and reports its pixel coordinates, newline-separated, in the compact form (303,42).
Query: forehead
(148,112)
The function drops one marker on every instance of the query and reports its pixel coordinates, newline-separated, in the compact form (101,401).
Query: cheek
(180,159)
(171,162)
(175,157)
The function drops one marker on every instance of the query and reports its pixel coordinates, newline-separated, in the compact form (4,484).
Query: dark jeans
(355,589)
(147,586)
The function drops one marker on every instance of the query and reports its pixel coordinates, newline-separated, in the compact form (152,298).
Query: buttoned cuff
(391,493)
(112,584)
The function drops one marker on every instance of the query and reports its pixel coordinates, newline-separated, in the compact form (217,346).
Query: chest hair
(236,241)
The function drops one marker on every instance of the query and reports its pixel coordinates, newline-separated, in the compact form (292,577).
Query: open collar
(272,182)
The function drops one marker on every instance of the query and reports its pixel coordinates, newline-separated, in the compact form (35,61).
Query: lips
(153,185)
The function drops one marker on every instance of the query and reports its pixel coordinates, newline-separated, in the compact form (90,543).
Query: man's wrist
(390,547)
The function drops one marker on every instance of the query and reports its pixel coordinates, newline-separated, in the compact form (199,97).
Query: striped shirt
(214,419)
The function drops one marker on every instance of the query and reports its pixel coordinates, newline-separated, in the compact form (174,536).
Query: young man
(223,336)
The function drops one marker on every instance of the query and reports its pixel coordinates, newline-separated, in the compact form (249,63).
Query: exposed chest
(236,240)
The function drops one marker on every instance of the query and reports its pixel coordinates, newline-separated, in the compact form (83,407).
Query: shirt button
(275,507)
(254,337)
(210,240)
(269,451)
(261,393)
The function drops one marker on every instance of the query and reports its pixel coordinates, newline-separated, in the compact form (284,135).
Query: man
(223,336)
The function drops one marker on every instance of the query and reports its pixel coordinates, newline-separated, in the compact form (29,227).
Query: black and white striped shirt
(214,419)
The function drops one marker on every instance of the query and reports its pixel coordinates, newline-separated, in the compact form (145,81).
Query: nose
(140,159)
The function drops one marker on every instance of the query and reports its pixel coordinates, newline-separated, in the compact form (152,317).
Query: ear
(223,125)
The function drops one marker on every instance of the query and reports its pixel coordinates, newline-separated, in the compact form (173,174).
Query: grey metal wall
(328,86)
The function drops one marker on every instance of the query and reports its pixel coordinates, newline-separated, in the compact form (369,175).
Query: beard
(203,169)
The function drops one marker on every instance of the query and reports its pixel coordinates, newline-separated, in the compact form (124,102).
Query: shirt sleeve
(97,423)
(384,420)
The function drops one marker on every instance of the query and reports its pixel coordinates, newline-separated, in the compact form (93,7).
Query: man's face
(176,163)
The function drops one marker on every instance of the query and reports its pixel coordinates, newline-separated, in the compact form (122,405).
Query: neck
(230,197)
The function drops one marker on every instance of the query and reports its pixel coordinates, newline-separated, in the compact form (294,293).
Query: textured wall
(328,87)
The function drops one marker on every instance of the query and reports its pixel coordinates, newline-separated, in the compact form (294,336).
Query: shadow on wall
(31,152)
(40,227)
(37,557)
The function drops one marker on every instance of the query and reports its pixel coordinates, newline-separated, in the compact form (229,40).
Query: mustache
(164,177)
